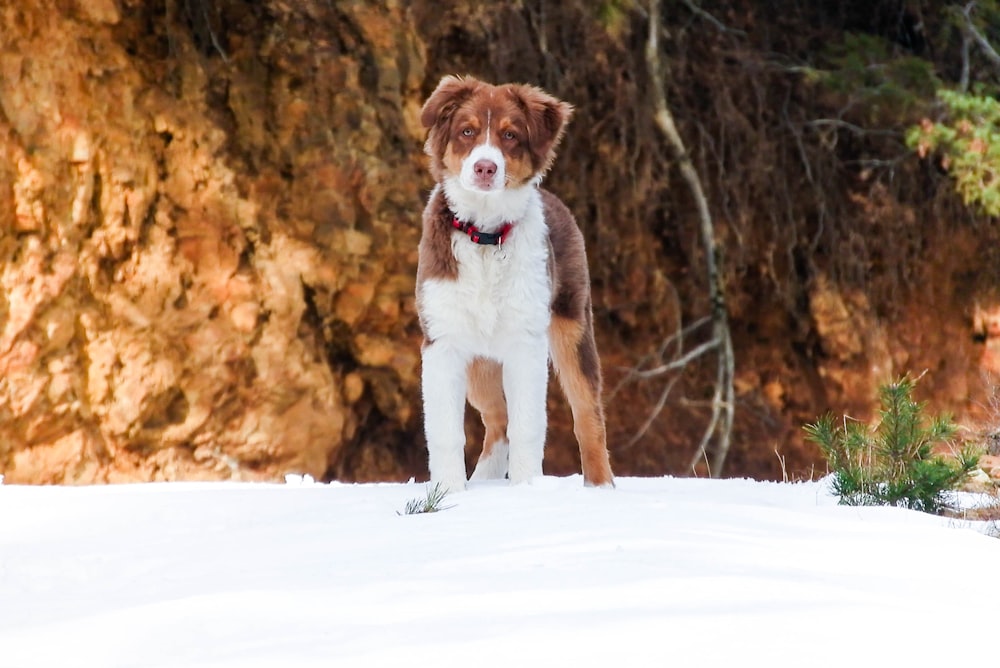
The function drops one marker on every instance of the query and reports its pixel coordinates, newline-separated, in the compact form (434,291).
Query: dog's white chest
(500,297)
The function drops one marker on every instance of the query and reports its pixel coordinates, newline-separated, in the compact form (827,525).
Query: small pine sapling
(893,464)
(430,503)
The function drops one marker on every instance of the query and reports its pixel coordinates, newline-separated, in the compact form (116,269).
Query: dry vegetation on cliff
(209,215)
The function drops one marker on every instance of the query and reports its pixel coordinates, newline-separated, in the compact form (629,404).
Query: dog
(502,287)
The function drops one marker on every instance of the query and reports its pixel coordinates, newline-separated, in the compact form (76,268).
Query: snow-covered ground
(659,572)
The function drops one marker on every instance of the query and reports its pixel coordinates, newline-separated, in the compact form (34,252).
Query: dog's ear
(547,117)
(449,95)
(436,115)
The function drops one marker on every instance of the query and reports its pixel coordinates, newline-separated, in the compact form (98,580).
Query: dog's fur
(493,315)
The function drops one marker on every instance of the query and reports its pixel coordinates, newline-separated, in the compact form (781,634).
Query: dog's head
(491,138)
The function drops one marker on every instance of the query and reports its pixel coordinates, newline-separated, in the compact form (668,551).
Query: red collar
(482,238)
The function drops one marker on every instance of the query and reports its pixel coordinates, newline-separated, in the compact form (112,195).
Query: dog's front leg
(443,376)
(525,377)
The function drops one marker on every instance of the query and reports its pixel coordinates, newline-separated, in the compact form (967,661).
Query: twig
(679,336)
(856,129)
(660,403)
(971,31)
(722,402)
(722,27)
(781,461)
(211,33)
(963,81)
(676,338)
(722,409)
(681,361)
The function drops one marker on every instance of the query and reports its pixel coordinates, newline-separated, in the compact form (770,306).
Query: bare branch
(678,363)
(717,413)
(676,339)
(856,129)
(963,82)
(722,405)
(681,334)
(728,360)
(969,28)
(720,26)
(660,403)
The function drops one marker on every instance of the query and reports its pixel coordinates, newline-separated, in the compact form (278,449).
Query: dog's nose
(485,168)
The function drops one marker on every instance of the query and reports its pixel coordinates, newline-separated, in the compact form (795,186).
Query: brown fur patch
(437,114)
(590,362)
(584,395)
(571,278)
(547,118)
(435,259)
(486,396)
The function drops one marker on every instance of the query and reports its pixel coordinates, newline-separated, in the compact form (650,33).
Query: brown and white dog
(502,286)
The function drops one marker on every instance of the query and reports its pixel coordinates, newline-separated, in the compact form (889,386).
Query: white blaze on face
(484,169)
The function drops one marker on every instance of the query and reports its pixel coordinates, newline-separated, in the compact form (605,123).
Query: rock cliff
(209,213)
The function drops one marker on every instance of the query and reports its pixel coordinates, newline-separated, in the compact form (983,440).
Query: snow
(658,572)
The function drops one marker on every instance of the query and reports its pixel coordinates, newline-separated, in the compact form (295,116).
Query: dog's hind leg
(574,356)
(486,396)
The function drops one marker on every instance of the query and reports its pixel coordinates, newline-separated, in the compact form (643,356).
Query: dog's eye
(468,132)
(508,135)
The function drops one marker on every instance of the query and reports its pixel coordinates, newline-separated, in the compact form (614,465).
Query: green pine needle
(430,503)
(893,463)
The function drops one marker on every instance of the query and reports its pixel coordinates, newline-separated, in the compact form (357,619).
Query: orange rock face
(209,215)
(170,292)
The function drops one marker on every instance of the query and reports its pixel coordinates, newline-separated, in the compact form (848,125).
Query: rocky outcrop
(202,276)
(209,212)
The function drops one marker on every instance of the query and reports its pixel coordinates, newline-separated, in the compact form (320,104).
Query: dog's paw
(525,462)
(607,484)
(525,476)
(492,464)
(449,485)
